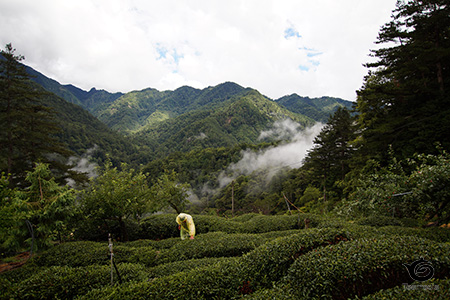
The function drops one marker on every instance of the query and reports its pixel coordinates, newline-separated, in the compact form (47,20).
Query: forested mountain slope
(237,120)
(132,111)
(318,109)
(163,122)
(135,110)
(81,131)
(91,101)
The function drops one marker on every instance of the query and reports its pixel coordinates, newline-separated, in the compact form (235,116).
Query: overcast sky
(310,47)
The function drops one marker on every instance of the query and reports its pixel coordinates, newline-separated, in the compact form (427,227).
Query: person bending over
(186,226)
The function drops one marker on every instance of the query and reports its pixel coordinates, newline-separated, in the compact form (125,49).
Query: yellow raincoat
(187,226)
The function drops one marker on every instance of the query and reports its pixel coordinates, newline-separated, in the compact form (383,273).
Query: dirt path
(19,261)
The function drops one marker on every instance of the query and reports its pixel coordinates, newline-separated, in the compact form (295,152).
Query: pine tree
(27,125)
(405,101)
(329,159)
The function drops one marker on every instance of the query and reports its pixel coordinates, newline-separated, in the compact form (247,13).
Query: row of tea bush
(334,260)
(163,226)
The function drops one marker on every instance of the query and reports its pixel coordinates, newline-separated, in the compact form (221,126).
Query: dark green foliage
(379,221)
(117,195)
(155,244)
(28,125)
(237,120)
(74,254)
(213,244)
(185,265)
(158,227)
(329,160)
(337,261)
(319,109)
(64,282)
(270,262)
(418,190)
(229,278)
(440,235)
(164,226)
(81,254)
(343,270)
(405,100)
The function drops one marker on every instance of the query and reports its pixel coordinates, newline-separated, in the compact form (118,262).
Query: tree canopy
(28,128)
(405,101)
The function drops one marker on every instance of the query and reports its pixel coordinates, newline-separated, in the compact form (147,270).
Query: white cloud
(288,154)
(312,48)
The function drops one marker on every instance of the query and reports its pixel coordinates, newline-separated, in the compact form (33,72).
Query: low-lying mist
(289,153)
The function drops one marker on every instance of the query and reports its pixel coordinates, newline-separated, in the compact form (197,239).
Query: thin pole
(232,198)
(110,245)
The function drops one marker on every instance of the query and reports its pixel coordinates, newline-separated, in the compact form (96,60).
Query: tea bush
(66,282)
(244,217)
(76,254)
(160,244)
(183,266)
(258,257)
(379,221)
(163,226)
(159,227)
(213,244)
(9,279)
(436,234)
(230,278)
(362,266)
(270,262)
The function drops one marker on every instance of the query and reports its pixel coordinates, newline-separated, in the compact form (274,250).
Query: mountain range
(162,122)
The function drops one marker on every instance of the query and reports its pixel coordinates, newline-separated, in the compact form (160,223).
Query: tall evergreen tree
(27,126)
(405,100)
(329,159)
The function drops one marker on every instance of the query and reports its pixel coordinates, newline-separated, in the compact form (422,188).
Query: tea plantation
(247,257)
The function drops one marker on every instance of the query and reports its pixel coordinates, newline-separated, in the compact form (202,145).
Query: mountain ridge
(163,122)
(97,101)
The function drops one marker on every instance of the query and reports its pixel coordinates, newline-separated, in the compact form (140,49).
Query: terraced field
(248,257)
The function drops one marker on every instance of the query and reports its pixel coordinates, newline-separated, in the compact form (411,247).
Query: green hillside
(134,110)
(318,109)
(81,131)
(237,120)
(90,101)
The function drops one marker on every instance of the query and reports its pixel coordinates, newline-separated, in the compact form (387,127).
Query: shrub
(163,226)
(159,227)
(437,234)
(204,224)
(378,221)
(161,244)
(232,277)
(74,254)
(77,254)
(213,244)
(244,217)
(263,223)
(9,279)
(183,266)
(270,262)
(66,282)
(361,267)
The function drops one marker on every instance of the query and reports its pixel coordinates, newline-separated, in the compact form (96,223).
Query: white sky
(310,47)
